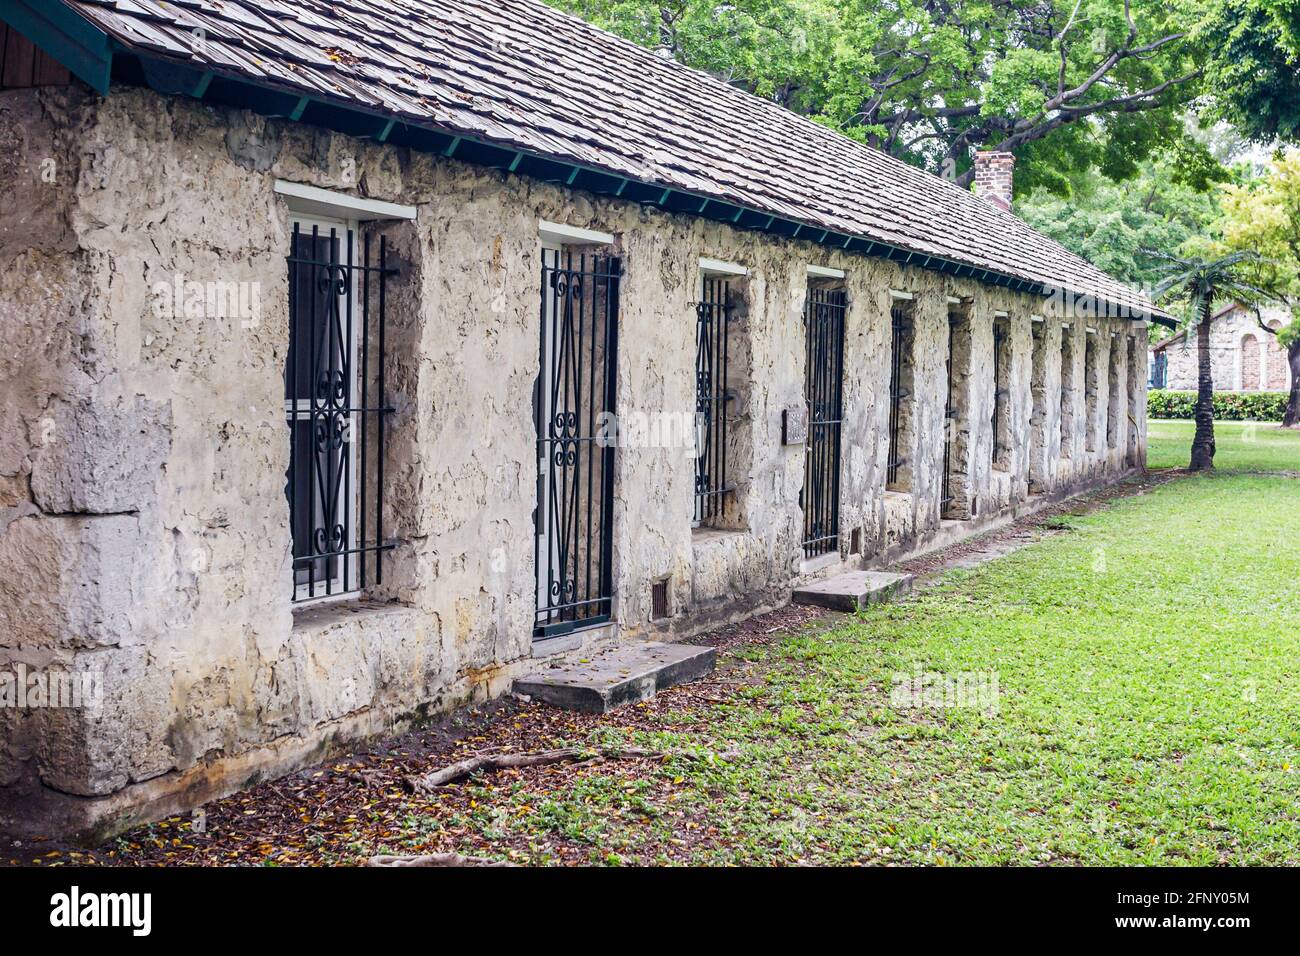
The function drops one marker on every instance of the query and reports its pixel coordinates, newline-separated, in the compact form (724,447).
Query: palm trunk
(1203,443)
(1292,417)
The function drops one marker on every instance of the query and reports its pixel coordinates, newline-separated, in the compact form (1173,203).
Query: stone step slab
(854,590)
(617,676)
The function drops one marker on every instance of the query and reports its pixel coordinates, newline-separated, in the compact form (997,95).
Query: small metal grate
(659,601)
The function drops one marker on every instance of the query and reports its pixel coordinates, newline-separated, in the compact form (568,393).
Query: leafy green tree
(1066,84)
(1200,283)
(1264,216)
(1111,223)
(1253,65)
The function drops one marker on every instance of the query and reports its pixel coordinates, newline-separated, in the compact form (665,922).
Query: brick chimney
(993,173)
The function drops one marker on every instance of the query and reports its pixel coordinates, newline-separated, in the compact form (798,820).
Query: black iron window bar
(824,395)
(949,422)
(900,328)
(336,410)
(999,341)
(713,316)
(574,403)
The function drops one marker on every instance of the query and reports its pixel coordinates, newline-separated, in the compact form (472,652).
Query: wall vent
(659,601)
(855,541)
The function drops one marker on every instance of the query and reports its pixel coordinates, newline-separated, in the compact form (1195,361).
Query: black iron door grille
(712,318)
(949,424)
(898,345)
(824,395)
(336,410)
(573,406)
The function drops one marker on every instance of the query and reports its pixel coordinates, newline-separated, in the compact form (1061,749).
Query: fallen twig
(509,761)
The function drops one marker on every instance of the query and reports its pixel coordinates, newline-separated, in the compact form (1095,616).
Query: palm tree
(1201,283)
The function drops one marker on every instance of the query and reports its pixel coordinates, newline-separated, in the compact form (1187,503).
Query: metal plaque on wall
(794,424)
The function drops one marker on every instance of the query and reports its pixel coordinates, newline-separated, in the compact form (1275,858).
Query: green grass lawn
(1246,446)
(1148,672)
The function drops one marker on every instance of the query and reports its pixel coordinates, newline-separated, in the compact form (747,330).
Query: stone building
(354,360)
(1243,356)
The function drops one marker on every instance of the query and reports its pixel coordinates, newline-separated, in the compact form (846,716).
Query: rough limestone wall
(1277,367)
(164,528)
(866,394)
(963,431)
(58,563)
(1045,426)
(144,531)
(1039,441)
(1072,417)
(930,322)
(1139,371)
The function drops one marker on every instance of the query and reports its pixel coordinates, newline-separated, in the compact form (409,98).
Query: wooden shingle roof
(521,75)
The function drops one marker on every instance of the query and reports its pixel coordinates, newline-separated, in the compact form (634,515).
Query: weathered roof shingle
(522,75)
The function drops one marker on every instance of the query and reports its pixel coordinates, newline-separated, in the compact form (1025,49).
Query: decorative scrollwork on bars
(336,347)
(578,345)
(712,315)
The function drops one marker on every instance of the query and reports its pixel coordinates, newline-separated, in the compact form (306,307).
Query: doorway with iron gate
(824,396)
(573,408)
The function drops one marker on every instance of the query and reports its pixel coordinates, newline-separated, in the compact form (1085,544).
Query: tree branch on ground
(514,761)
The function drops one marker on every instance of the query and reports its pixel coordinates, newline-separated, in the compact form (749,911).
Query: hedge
(1228,406)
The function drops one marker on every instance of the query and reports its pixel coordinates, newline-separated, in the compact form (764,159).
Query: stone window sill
(703,535)
(312,618)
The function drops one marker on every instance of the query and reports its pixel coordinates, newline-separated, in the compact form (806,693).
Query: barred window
(946,494)
(1091,390)
(713,315)
(1001,419)
(1067,391)
(335,408)
(898,472)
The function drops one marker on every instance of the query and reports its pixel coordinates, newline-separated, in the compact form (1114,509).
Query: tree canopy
(1111,224)
(1263,215)
(1066,84)
(1253,66)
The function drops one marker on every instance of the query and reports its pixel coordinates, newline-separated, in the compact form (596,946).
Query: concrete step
(854,590)
(612,677)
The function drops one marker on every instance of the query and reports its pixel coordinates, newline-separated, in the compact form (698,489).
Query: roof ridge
(537,80)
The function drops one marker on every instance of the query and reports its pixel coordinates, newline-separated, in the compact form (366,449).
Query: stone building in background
(350,367)
(1243,356)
